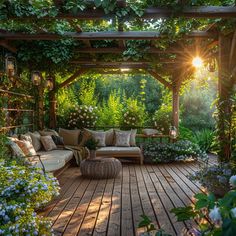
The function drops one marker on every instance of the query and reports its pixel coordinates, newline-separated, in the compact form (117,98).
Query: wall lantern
(10,64)
(173,132)
(36,78)
(211,65)
(49,83)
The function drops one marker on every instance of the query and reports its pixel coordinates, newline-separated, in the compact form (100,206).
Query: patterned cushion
(48,143)
(36,140)
(15,148)
(132,137)
(26,147)
(100,136)
(122,138)
(70,137)
(26,137)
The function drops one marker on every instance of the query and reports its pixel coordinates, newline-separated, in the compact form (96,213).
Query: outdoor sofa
(68,144)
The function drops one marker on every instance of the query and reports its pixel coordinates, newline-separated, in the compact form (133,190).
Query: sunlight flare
(197,62)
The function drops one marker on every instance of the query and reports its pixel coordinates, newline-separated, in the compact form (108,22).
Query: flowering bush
(134,114)
(215,178)
(221,214)
(162,118)
(24,189)
(166,152)
(83,116)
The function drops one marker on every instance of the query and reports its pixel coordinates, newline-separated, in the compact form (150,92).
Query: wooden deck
(113,207)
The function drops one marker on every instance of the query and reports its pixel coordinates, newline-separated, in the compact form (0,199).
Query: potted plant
(91,144)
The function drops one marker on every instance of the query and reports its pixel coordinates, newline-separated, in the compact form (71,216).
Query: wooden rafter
(116,50)
(160,79)
(126,63)
(8,46)
(131,35)
(113,66)
(154,13)
(72,78)
(79,30)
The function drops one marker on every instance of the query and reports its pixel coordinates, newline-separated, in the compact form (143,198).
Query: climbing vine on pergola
(157,37)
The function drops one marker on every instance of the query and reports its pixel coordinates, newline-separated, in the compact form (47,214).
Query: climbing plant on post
(225,105)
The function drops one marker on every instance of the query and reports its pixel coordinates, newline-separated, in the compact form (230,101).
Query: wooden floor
(113,207)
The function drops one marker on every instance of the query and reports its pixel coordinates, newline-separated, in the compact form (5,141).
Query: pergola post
(224,105)
(175,105)
(40,107)
(52,106)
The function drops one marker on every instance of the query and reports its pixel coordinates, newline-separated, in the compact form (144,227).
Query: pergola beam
(71,78)
(9,47)
(130,35)
(160,79)
(116,50)
(152,13)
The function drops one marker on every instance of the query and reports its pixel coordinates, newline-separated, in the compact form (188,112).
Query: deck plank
(113,207)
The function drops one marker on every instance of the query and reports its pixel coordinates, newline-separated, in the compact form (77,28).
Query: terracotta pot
(92,154)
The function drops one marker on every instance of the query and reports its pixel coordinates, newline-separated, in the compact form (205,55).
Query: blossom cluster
(24,189)
(83,116)
(166,152)
(131,119)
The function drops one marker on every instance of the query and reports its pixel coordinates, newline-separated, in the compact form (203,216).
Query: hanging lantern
(173,132)
(49,83)
(10,64)
(36,78)
(211,65)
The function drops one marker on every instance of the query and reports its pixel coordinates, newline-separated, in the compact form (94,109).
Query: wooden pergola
(179,67)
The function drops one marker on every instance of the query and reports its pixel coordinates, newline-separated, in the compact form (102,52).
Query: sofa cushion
(50,165)
(70,137)
(65,155)
(57,140)
(48,143)
(16,150)
(26,147)
(132,137)
(100,137)
(122,138)
(118,151)
(35,136)
(47,132)
(109,137)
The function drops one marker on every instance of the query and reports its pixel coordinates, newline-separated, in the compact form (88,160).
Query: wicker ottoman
(100,168)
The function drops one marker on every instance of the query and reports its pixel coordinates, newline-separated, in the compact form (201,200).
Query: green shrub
(110,112)
(204,139)
(134,114)
(167,152)
(23,189)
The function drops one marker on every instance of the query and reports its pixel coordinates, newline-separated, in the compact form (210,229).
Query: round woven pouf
(100,168)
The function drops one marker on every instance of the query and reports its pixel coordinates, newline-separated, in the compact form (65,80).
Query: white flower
(215,214)
(233,212)
(133,118)
(232,181)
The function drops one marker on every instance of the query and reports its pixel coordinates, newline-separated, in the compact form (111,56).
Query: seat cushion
(119,151)
(65,155)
